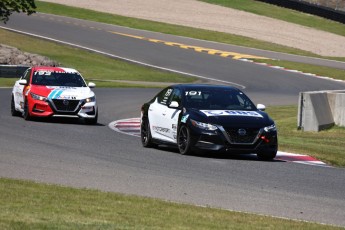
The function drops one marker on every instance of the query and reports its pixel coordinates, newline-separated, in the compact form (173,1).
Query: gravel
(197,14)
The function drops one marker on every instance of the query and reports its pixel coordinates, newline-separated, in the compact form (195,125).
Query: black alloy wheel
(145,133)
(267,156)
(14,112)
(92,121)
(184,141)
(26,114)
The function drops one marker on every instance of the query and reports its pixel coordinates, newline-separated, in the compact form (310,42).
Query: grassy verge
(327,145)
(74,12)
(308,68)
(284,14)
(91,65)
(27,205)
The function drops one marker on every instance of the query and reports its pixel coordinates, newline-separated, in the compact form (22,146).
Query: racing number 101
(193,93)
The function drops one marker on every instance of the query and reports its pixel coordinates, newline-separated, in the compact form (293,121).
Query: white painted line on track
(131,126)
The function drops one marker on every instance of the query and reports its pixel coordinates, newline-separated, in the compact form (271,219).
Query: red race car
(54,91)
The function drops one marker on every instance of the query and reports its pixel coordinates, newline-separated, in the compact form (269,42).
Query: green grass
(74,12)
(327,145)
(284,14)
(91,65)
(28,205)
(308,68)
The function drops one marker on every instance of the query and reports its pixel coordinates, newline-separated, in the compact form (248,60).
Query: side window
(26,75)
(164,96)
(176,96)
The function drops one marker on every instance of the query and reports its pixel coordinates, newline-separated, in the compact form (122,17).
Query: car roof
(54,69)
(203,86)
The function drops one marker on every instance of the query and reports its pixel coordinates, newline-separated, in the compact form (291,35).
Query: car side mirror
(91,85)
(174,104)
(261,107)
(23,82)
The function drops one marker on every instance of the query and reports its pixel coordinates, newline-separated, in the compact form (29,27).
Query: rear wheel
(184,141)
(26,113)
(145,133)
(14,112)
(267,156)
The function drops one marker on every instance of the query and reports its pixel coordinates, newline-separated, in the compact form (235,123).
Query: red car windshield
(58,79)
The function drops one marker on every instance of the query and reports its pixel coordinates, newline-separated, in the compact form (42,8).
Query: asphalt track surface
(70,153)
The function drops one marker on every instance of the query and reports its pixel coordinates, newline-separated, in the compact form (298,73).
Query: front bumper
(63,108)
(222,141)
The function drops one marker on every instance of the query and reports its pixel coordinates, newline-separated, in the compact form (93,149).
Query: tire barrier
(310,8)
(12,71)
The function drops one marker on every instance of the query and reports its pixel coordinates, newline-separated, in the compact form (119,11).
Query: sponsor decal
(174,127)
(184,118)
(211,113)
(57,93)
(160,129)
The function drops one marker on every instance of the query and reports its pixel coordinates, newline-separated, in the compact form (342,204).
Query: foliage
(7,7)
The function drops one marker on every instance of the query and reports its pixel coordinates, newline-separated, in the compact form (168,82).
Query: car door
(157,112)
(170,119)
(20,90)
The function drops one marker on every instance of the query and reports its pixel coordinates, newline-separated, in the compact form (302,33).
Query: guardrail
(318,110)
(12,71)
(310,8)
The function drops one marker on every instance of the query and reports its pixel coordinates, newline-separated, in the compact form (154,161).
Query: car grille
(248,138)
(66,105)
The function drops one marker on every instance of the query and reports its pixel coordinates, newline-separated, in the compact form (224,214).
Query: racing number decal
(193,93)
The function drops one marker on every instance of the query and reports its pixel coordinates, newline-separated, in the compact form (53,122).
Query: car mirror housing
(261,107)
(92,85)
(23,82)
(174,104)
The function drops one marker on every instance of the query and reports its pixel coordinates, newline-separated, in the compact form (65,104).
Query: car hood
(232,118)
(58,92)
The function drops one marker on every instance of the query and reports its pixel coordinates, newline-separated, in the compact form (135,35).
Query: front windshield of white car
(217,99)
(58,79)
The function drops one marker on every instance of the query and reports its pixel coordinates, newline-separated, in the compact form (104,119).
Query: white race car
(54,92)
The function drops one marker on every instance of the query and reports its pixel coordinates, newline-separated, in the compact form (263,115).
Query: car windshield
(58,79)
(218,99)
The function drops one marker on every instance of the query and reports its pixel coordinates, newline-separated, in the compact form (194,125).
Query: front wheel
(14,112)
(145,133)
(267,156)
(184,141)
(26,113)
(92,121)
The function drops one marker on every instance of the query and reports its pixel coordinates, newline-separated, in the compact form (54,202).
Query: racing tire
(267,156)
(14,112)
(92,121)
(145,134)
(26,114)
(184,141)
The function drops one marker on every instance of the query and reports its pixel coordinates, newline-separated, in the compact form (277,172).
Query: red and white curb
(131,126)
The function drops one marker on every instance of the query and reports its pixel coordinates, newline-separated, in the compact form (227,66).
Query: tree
(7,7)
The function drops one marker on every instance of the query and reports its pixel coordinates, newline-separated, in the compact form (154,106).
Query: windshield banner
(210,113)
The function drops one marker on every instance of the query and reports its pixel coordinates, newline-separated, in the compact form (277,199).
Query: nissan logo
(242,132)
(65,102)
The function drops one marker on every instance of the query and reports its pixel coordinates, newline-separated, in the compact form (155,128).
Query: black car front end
(238,135)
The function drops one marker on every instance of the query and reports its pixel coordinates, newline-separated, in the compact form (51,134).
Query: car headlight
(271,128)
(91,99)
(204,126)
(38,97)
